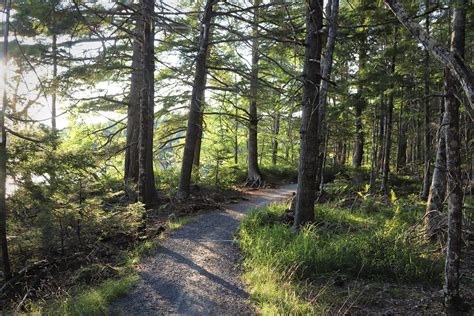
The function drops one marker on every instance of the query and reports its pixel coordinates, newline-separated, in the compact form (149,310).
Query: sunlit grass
(180,222)
(279,264)
(96,300)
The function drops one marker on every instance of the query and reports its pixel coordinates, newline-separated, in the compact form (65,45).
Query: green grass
(180,222)
(96,300)
(280,265)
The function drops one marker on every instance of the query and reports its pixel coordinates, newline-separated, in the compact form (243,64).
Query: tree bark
(433,219)
(146,182)
(388,134)
(332,12)
(276,132)
(194,122)
(55,82)
(133,111)
(426,115)
(254,177)
(402,140)
(453,162)
(3,149)
(360,99)
(306,189)
(197,148)
(453,59)
(373,163)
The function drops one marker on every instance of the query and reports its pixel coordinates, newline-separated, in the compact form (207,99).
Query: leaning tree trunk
(133,112)
(3,150)
(146,177)
(254,177)
(453,163)
(434,207)
(451,59)
(194,118)
(306,189)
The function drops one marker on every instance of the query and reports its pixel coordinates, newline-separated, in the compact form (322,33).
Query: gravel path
(196,269)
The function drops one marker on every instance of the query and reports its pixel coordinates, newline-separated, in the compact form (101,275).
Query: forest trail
(196,270)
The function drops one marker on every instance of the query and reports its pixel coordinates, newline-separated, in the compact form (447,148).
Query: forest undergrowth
(83,250)
(365,253)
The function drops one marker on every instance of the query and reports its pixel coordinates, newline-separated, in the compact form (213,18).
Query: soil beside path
(196,270)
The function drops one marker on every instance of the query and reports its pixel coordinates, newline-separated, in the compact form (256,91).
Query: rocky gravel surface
(196,270)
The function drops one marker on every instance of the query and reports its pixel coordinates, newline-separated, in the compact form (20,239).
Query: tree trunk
(306,189)
(197,96)
(388,144)
(359,140)
(146,182)
(197,148)
(276,131)
(254,177)
(133,112)
(402,140)
(453,162)
(426,113)
(360,100)
(434,206)
(332,12)
(3,149)
(388,134)
(236,138)
(55,83)
(373,163)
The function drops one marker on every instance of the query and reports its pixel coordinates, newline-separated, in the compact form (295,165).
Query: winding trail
(196,270)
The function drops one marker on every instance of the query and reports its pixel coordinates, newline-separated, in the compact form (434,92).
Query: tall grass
(343,243)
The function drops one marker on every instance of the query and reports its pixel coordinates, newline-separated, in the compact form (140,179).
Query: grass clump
(349,245)
(96,301)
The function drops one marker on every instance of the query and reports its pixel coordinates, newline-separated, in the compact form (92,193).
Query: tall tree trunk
(55,82)
(276,131)
(306,189)
(359,140)
(146,182)
(254,177)
(453,162)
(373,163)
(133,111)
(236,137)
(332,12)
(426,113)
(197,96)
(402,140)
(197,148)
(360,99)
(3,149)
(388,145)
(388,134)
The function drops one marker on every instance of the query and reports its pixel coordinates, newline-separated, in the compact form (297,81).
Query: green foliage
(359,244)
